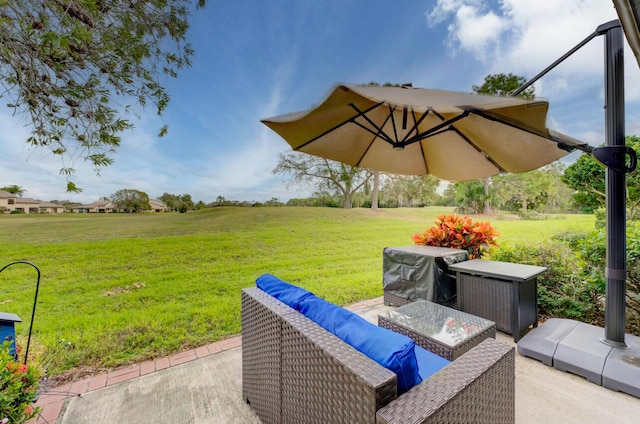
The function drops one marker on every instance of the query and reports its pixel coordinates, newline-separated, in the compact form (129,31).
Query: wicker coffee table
(442,330)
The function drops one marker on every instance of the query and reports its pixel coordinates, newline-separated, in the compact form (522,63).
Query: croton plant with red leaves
(457,232)
(18,388)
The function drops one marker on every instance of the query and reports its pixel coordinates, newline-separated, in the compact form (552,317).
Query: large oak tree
(324,174)
(130,200)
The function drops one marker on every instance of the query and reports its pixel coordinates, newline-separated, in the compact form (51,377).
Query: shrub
(530,215)
(18,387)
(459,233)
(592,248)
(564,290)
(574,285)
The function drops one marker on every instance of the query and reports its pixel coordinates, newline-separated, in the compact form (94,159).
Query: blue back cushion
(391,350)
(429,363)
(286,293)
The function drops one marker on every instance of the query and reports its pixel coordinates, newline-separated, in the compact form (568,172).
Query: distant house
(102,206)
(27,205)
(158,206)
(9,202)
(48,207)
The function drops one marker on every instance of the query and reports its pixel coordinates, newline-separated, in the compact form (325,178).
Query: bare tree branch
(298,167)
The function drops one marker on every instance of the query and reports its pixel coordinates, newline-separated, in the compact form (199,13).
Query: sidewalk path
(53,401)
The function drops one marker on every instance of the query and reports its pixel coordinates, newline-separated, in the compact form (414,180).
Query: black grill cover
(420,272)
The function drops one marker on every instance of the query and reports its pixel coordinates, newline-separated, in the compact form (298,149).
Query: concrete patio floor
(204,386)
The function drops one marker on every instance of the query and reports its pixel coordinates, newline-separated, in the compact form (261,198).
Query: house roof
(157,203)
(102,203)
(28,200)
(93,205)
(51,205)
(6,195)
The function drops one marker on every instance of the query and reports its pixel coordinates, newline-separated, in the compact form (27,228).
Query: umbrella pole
(613,155)
(574,346)
(615,272)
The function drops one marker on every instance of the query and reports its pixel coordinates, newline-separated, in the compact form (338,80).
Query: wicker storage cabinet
(502,292)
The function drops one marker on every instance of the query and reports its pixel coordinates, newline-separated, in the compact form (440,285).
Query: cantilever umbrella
(455,136)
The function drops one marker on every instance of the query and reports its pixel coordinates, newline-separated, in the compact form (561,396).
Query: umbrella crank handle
(633,160)
(615,157)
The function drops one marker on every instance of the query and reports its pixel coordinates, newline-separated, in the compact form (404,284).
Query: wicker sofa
(294,371)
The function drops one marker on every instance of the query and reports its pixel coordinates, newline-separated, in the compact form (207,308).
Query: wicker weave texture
(296,372)
(392,299)
(326,381)
(261,353)
(478,387)
(487,298)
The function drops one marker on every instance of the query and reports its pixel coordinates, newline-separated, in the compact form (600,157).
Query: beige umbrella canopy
(403,130)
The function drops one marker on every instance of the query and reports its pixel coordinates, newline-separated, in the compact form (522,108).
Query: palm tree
(14,189)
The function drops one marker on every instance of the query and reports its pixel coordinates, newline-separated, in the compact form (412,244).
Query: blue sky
(256,59)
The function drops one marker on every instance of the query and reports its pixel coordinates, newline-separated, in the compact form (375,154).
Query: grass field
(128,287)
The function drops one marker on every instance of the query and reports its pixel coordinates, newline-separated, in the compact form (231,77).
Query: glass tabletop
(446,325)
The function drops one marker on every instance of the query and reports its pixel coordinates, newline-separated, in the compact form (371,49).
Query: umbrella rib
(372,140)
(366,151)
(415,125)
(468,140)
(393,121)
(380,132)
(485,115)
(424,156)
(436,130)
(497,165)
(340,124)
(560,143)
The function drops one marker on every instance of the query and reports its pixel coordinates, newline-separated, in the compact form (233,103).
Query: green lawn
(128,287)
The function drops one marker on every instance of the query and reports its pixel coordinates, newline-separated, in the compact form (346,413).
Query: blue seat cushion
(286,293)
(391,350)
(428,362)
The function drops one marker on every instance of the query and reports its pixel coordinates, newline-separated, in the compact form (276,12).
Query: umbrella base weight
(577,348)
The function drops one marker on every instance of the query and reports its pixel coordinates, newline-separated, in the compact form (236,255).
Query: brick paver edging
(51,402)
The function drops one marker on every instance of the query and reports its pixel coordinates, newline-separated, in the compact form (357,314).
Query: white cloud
(524,37)
(444,8)
(478,30)
(472,28)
